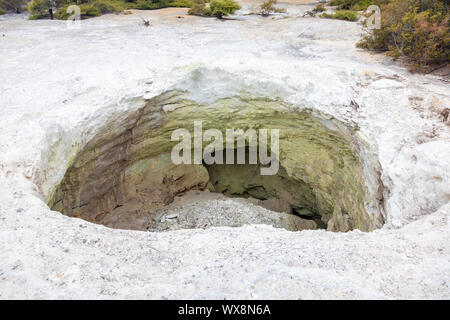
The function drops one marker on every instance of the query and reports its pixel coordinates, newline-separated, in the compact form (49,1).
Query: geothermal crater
(124,177)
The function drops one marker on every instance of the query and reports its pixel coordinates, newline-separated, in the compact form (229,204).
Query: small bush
(417,30)
(144,5)
(199,8)
(89,10)
(268,7)
(39,8)
(341,15)
(319,8)
(108,6)
(181,3)
(353,4)
(222,8)
(61,14)
(2,11)
(158,4)
(216,8)
(150,5)
(92,9)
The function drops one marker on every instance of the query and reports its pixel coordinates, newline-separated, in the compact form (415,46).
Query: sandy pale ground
(59,86)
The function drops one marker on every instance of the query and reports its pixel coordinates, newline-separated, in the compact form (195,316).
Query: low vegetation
(157,4)
(354,5)
(91,9)
(16,6)
(39,9)
(199,8)
(221,8)
(215,8)
(319,8)
(341,15)
(418,30)
(268,7)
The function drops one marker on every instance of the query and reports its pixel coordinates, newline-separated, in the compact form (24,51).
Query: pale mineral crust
(59,87)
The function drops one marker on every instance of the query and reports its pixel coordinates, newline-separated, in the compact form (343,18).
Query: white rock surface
(58,85)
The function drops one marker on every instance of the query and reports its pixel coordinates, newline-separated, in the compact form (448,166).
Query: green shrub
(158,4)
(216,8)
(341,15)
(222,8)
(353,4)
(93,8)
(39,8)
(2,11)
(181,3)
(89,10)
(268,7)
(199,8)
(151,5)
(416,29)
(108,6)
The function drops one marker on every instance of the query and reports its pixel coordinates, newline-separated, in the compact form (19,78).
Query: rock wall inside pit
(321,168)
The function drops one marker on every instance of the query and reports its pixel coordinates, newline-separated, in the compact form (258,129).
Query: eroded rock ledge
(124,174)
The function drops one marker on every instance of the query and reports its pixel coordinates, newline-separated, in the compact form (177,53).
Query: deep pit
(124,177)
